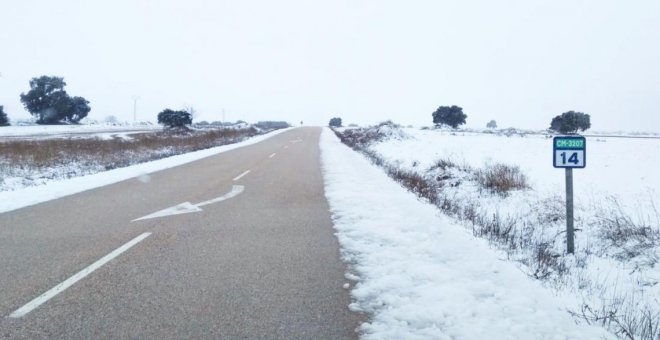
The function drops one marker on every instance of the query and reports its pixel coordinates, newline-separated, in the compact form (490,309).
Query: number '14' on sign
(572,159)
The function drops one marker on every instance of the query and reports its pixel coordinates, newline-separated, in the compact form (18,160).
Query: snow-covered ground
(11,200)
(625,167)
(60,131)
(420,275)
(614,277)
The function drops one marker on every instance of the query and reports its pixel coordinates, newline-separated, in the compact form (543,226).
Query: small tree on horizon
(335,122)
(173,119)
(4,120)
(570,122)
(492,124)
(50,104)
(449,115)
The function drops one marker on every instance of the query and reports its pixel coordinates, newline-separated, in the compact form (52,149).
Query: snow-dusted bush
(272,125)
(335,122)
(362,137)
(502,178)
(629,237)
(174,119)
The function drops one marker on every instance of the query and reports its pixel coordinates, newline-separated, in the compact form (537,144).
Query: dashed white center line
(38,301)
(241,175)
(272,155)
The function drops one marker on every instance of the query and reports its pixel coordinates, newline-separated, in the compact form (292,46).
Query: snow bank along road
(237,245)
(421,276)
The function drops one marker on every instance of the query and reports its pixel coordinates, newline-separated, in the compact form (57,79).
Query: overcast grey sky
(518,62)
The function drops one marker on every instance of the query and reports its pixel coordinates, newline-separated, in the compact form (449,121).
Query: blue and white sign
(569,152)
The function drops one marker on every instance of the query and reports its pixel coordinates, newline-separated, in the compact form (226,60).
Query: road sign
(569,152)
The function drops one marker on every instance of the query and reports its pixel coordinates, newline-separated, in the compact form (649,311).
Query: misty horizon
(516,62)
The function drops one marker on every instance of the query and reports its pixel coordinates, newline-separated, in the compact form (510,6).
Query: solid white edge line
(30,306)
(272,155)
(241,175)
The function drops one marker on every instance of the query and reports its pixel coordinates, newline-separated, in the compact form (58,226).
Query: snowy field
(101,130)
(420,275)
(613,280)
(624,167)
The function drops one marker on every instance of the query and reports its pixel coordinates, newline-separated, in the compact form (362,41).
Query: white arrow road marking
(183,208)
(38,301)
(272,155)
(235,191)
(187,207)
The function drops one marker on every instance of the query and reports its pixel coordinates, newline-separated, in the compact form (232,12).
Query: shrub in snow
(492,124)
(502,178)
(629,237)
(4,120)
(335,122)
(272,125)
(449,115)
(171,118)
(570,122)
(50,104)
(361,137)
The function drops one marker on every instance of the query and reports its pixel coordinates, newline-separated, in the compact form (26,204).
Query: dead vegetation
(627,320)
(630,236)
(502,178)
(360,138)
(38,160)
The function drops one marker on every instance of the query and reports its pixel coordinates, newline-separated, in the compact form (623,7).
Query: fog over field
(518,62)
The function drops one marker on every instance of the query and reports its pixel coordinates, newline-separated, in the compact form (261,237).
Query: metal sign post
(569,152)
(570,232)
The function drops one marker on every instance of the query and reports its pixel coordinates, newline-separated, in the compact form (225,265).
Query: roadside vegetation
(570,122)
(335,122)
(175,118)
(30,162)
(496,202)
(449,115)
(34,162)
(4,120)
(49,103)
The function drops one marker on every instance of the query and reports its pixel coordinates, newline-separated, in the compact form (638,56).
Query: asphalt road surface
(257,260)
